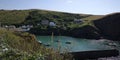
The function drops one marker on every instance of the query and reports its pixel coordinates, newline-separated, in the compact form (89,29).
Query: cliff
(109,26)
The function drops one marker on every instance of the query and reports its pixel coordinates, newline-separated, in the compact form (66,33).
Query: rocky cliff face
(109,26)
(87,31)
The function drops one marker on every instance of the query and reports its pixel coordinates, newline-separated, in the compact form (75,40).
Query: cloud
(69,1)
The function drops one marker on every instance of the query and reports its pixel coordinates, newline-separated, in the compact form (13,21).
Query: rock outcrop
(87,31)
(109,26)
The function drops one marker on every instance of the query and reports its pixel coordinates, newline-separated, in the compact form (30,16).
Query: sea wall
(94,54)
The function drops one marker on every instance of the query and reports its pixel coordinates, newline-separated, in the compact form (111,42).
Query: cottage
(45,22)
(38,24)
(52,24)
(26,27)
(77,21)
(29,26)
(11,27)
(5,26)
(23,26)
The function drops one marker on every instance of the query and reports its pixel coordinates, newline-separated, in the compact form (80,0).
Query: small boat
(40,42)
(57,41)
(112,44)
(68,42)
(47,44)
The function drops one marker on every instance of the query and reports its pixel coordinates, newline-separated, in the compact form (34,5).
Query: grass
(19,16)
(24,46)
(12,16)
(92,17)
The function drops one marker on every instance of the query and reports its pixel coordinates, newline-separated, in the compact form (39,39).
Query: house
(38,24)
(23,26)
(5,26)
(26,27)
(52,24)
(11,27)
(45,22)
(29,26)
(77,21)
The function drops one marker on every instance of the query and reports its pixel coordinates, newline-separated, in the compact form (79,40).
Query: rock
(6,49)
(109,26)
(87,31)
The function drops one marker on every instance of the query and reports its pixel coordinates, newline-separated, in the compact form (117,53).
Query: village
(25,28)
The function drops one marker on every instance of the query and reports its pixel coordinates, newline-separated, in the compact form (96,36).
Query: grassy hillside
(12,16)
(93,17)
(19,16)
(24,46)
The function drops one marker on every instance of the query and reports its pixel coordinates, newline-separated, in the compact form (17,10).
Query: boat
(68,42)
(40,42)
(57,41)
(112,44)
(47,44)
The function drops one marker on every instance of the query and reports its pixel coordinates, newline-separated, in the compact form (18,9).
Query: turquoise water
(76,44)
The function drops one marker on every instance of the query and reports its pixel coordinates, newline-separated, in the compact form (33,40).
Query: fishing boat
(40,42)
(57,41)
(48,44)
(112,44)
(68,42)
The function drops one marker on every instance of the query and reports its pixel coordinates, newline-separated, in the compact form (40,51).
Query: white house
(78,21)
(45,22)
(5,26)
(52,24)
(38,23)
(25,27)
(11,27)
(29,26)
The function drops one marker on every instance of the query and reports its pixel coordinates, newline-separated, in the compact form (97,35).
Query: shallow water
(74,44)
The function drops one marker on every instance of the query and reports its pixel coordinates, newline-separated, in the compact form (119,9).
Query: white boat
(40,42)
(48,44)
(112,44)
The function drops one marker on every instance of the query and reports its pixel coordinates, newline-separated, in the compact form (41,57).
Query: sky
(97,7)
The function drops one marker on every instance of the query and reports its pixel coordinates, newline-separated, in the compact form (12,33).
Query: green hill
(20,16)
(13,16)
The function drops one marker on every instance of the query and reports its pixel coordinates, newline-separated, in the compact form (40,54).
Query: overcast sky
(99,7)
